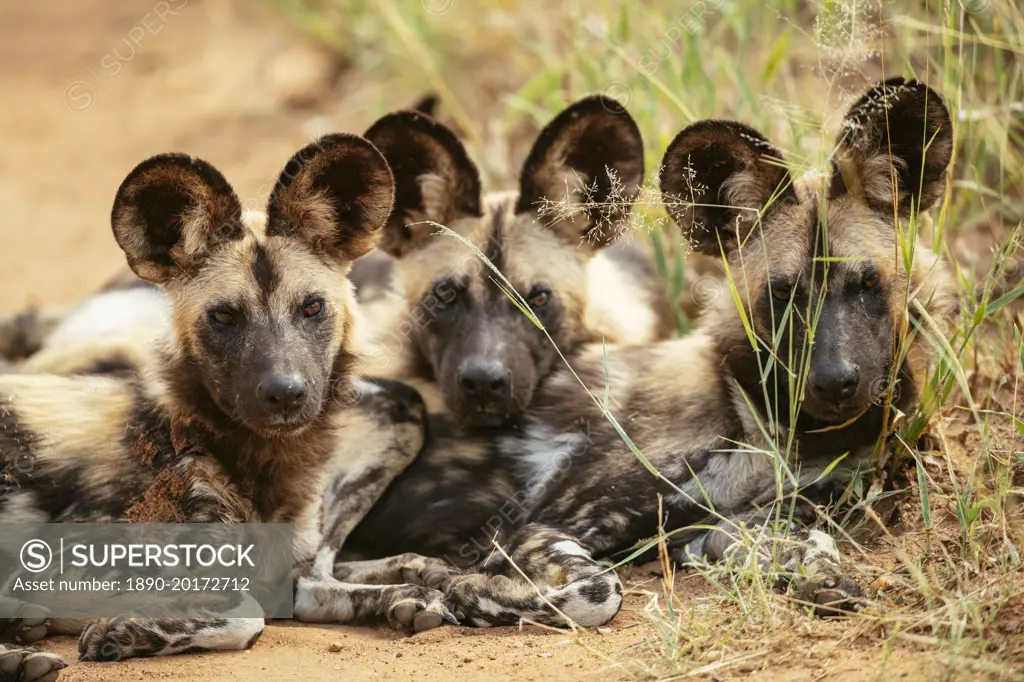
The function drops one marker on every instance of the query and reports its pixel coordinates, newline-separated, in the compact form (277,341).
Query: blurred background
(95,86)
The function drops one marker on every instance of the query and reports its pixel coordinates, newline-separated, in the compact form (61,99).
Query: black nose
(483,378)
(838,381)
(281,393)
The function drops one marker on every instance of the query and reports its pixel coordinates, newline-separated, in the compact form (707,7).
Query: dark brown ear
(716,178)
(427,105)
(170,213)
(585,171)
(334,195)
(434,178)
(898,130)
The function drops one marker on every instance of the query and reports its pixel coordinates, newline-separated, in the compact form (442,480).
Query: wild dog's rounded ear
(170,212)
(898,129)
(434,178)
(427,104)
(585,171)
(716,178)
(334,195)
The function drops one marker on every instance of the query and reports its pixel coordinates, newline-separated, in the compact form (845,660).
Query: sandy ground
(295,651)
(803,651)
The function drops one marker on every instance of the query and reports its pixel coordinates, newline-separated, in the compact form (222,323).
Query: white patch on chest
(569,547)
(544,454)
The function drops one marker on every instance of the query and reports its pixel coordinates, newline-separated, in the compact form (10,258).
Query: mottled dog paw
(107,640)
(20,664)
(831,594)
(413,608)
(30,625)
(428,572)
(475,599)
(818,580)
(403,569)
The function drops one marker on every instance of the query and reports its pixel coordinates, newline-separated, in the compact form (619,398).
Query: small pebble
(335,647)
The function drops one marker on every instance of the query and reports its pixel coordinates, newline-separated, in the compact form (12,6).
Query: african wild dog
(718,412)
(455,327)
(244,408)
(451,328)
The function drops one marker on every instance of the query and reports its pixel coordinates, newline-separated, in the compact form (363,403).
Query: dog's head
(262,310)
(817,266)
(575,192)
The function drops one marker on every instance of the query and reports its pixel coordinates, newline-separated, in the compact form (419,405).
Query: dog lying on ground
(243,410)
(453,330)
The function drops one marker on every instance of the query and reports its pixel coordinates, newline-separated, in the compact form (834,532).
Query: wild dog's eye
(222,318)
(445,293)
(313,308)
(538,298)
(782,292)
(871,280)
